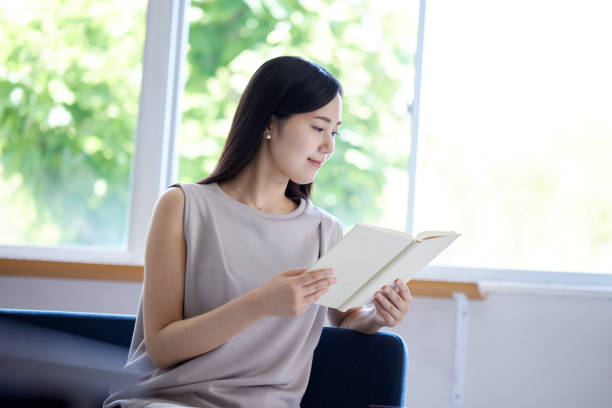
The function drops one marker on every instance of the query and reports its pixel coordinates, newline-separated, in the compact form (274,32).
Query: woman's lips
(315,163)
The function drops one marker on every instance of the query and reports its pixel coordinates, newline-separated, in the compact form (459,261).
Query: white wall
(525,347)
(69,294)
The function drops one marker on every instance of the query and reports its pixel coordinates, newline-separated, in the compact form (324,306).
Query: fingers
(382,311)
(394,298)
(295,272)
(393,303)
(316,295)
(399,296)
(404,291)
(388,307)
(315,286)
(313,276)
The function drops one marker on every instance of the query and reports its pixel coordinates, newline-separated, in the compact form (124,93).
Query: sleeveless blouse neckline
(283,216)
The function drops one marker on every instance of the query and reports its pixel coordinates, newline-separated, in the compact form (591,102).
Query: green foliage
(70,81)
(229,39)
(68,105)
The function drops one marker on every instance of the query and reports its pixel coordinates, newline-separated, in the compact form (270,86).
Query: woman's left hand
(392,304)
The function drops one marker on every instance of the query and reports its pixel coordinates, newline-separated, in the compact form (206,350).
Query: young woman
(228,315)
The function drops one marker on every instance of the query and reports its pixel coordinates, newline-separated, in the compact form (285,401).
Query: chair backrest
(349,368)
(352,369)
(61,359)
(109,328)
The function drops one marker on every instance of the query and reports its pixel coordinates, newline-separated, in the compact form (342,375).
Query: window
(369,46)
(114,117)
(69,87)
(516,134)
(514,124)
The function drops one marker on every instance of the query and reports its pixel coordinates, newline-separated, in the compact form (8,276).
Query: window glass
(70,73)
(369,46)
(516,134)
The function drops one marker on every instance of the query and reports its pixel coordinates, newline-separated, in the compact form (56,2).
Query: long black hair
(281,87)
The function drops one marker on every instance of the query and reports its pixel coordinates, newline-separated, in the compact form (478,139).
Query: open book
(368,257)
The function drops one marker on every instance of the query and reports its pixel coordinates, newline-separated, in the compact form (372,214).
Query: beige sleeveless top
(232,249)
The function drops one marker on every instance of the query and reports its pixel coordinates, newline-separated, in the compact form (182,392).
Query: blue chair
(350,369)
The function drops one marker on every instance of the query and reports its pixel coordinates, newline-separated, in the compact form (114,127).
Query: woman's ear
(272,125)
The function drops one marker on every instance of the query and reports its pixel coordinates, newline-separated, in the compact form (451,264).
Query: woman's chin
(303,179)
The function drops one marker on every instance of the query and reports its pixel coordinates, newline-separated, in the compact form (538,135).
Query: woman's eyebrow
(328,120)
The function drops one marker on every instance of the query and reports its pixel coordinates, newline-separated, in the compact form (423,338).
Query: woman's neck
(259,192)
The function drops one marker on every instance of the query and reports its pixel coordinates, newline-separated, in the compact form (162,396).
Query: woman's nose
(328,145)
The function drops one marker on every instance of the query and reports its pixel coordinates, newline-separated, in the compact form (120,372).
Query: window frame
(155,161)
(495,276)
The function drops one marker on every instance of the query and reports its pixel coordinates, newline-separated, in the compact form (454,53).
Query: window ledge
(504,279)
(70,270)
(135,273)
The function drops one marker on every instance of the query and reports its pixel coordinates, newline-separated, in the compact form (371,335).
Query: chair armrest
(355,369)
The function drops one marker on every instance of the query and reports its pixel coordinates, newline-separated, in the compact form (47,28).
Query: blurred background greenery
(369,48)
(504,157)
(70,75)
(70,83)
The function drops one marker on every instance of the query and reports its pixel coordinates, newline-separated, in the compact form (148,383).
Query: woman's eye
(318,129)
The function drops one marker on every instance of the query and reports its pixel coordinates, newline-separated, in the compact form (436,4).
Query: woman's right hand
(291,292)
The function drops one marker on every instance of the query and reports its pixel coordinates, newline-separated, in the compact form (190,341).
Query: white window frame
(492,276)
(154,164)
(155,160)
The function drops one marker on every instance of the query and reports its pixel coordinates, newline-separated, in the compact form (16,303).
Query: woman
(227,318)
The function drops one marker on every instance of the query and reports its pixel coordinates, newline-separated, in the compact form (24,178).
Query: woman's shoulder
(180,195)
(173,196)
(168,212)
(328,220)
(187,190)
(190,186)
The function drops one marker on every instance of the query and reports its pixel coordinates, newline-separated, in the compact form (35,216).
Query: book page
(410,262)
(400,233)
(422,236)
(361,253)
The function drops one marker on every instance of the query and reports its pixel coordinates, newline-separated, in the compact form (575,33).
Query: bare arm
(336,316)
(169,338)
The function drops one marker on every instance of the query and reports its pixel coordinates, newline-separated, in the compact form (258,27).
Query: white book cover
(368,257)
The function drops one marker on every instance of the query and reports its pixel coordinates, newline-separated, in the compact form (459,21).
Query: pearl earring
(268,137)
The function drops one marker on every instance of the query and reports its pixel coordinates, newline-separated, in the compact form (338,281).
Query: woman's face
(302,143)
